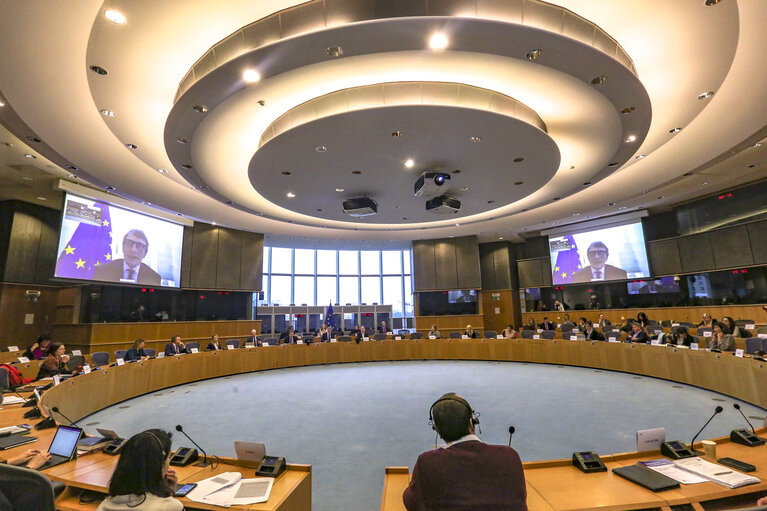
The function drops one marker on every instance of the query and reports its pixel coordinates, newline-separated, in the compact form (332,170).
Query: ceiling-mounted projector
(443,205)
(429,183)
(361,206)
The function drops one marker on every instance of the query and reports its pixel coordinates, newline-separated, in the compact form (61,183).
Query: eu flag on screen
(567,264)
(330,320)
(89,246)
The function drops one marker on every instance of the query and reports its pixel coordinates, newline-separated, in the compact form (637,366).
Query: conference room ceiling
(608,116)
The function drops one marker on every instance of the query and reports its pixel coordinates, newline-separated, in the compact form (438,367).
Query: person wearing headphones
(466,474)
(143,479)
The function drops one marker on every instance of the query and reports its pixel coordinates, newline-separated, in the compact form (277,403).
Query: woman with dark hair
(143,479)
(642,319)
(720,340)
(136,352)
(682,336)
(730,327)
(55,363)
(509,332)
(37,350)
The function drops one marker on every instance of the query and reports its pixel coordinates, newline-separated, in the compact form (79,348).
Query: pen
(723,473)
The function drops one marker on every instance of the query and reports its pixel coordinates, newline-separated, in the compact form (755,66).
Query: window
(304,291)
(348,290)
(371,263)
(266,261)
(347,262)
(392,294)
(326,290)
(304,262)
(281,260)
(326,263)
(371,290)
(280,291)
(392,262)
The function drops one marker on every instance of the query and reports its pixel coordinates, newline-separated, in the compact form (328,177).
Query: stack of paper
(13,400)
(230,489)
(668,469)
(716,473)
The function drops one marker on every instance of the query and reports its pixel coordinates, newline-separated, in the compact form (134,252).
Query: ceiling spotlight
(706,95)
(186,166)
(42,198)
(320,148)
(611,204)
(661,197)
(500,237)
(356,172)
(556,198)
(753,165)
(200,109)
(518,183)
(71,167)
(623,207)
(290,195)
(517,160)
(26,178)
(475,140)
(534,54)
(687,174)
(286,172)
(587,183)
(464,188)
(704,183)
(576,214)
(409,163)
(709,3)
(599,79)
(99,70)
(30,156)
(627,110)
(72,176)
(339,189)
(631,138)
(438,42)
(107,113)
(456,171)
(675,130)
(396,134)
(2,103)
(251,75)
(182,140)
(109,188)
(457,225)
(491,202)
(115,16)
(613,164)
(213,223)
(639,156)
(33,138)
(334,51)
(131,146)
(162,171)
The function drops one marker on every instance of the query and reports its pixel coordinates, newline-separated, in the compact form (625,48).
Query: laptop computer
(63,446)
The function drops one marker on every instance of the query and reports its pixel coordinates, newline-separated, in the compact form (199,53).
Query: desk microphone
(71,422)
(512,429)
(737,407)
(717,410)
(204,455)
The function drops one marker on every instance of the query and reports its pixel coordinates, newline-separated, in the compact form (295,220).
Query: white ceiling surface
(680,49)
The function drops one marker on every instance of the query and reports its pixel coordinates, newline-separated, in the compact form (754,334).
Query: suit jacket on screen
(113,272)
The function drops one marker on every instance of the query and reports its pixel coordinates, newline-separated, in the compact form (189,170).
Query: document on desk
(13,400)
(667,468)
(716,473)
(208,488)
(229,489)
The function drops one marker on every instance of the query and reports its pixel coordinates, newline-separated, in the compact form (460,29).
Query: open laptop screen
(65,441)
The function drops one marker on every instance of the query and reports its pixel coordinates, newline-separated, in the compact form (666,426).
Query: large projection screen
(610,253)
(106,243)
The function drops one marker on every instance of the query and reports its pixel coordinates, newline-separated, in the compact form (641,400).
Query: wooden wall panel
(757,234)
(664,257)
(487,265)
(229,259)
(252,262)
(49,242)
(695,253)
(530,273)
(186,257)
(14,309)
(204,256)
(495,265)
(499,313)
(424,276)
(25,244)
(445,264)
(691,314)
(731,247)
(467,257)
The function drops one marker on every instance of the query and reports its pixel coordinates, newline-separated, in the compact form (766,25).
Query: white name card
(86,369)
(120,362)
(299,342)
(250,345)
(24,360)
(230,347)
(693,345)
(708,333)
(539,330)
(572,337)
(655,342)
(432,337)
(612,339)
(674,324)
(464,336)
(56,379)
(536,336)
(749,326)
(161,354)
(195,350)
(366,338)
(650,439)
(333,340)
(77,353)
(13,348)
(397,337)
(739,353)
(762,336)
(499,337)
(389,332)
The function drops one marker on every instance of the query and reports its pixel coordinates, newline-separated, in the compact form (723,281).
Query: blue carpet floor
(349,421)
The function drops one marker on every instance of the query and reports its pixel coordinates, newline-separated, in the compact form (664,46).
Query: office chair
(233,342)
(120,354)
(100,358)
(528,334)
(150,352)
(26,489)
(191,345)
(379,337)
(4,385)
(416,335)
(491,334)
(455,335)
(548,334)
(75,361)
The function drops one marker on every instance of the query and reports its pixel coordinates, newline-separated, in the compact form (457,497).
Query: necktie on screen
(129,273)
(598,274)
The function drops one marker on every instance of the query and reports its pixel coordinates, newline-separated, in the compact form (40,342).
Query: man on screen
(130,268)
(598,269)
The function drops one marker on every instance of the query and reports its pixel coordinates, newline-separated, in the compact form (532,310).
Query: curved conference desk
(551,484)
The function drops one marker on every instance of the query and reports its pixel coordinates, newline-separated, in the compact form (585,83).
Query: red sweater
(468,475)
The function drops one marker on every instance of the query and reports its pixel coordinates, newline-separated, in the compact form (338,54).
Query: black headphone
(452,396)
(159,443)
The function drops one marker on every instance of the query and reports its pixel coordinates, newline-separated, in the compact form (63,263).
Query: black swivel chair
(25,489)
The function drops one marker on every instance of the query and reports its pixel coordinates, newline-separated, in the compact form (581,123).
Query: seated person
(547,325)
(642,319)
(638,334)
(175,346)
(470,332)
(253,339)
(559,306)
(213,345)
(530,325)
(55,363)
(707,320)
(682,337)
(355,332)
(592,334)
(38,350)
(602,322)
(509,332)
(433,332)
(324,333)
(360,335)
(32,459)
(467,474)
(143,479)
(582,324)
(721,341)
(288,337)
(136,352)
(625,325)
(729,327)
(383,329)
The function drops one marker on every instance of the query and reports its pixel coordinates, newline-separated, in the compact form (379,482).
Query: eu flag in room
(567,264)
(89,246)
(330,320)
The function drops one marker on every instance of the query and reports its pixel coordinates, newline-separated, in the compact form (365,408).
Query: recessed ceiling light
(72,176)
(162,171)
(753,165)
(404,218)
(356,172)
(613,164)
(645,191)
(556,198)
(709,3)
(33,138)
(146,203)
(26,178)
(639,156)
(475,140)
(99,70)
(179,214)
(587,183)
(107,113)
(627,110)
(115,16)
(438,42)
(396,134)
(286,173)
(396,207)
(2,103)
(320,148)
(42,198)
(186,166)
(251,75)
(622,207)
(456,171)
(534,54)
(71,167)
(290,195)
(30,156)
(706,95)
(200,109)
(182,140)
(464,188)
(409,163)
(631,138)
(131,146)
(334,51)
(704,183)
(339,189)
(661,197)
(599,79)
(500,237)
(451,236)
(491,202)
(675,130)
(213,223)
(319,210)
(611,204)
(457,225)
(109,188)
(576,214)
(229,203)
(518,183)
(517,160)
(687,174)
